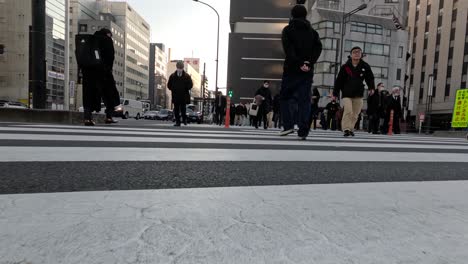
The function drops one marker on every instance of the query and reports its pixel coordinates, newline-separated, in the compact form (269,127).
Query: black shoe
(351,133)
(89,123)
(302,138)
(347,133)
(185,122)
(177,125)
(111,121)
(265,128)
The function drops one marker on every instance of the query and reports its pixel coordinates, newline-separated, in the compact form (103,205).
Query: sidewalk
(383,223)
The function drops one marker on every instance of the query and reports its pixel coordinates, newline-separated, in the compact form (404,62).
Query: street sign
(422,116)
(460,111)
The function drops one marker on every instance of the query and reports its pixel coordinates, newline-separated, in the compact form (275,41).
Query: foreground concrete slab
(349,223)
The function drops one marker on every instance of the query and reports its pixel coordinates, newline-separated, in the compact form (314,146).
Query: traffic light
(2,49)
(230,93)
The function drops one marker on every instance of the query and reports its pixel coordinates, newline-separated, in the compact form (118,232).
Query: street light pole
(217,42)
(343,31)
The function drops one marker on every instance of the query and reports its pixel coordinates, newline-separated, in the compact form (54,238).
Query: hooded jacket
(300,43)
(350,80)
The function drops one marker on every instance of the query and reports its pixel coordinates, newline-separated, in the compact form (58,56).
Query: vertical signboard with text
(460,111)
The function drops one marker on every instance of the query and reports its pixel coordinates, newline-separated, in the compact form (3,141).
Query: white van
(130,108)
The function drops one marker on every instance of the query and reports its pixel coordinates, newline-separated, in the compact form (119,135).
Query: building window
(380,72)
(425,43)
(428,10)
(83,28)
(439,22)
(441,4)
(328,44)
(450,53)
(447,90)
(400,52)
(424,60)
(449,72)
(454,15)
(417,15)
(398,74)
(392,1)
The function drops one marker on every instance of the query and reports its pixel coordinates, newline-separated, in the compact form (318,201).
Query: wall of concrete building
(439,49)
(15,18)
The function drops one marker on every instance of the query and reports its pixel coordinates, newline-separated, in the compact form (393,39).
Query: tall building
(158,74)
(137,47)
(439,55)
(255,50)
(15,20)
(373,29)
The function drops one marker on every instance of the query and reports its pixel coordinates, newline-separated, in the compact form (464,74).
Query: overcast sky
(189,27)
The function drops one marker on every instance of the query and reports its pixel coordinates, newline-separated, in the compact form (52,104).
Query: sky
(189,28)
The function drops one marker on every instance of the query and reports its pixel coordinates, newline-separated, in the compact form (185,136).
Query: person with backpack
(302,46)
(95,55)
(350,84)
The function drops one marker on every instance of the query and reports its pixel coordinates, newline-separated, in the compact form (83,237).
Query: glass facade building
(55,53)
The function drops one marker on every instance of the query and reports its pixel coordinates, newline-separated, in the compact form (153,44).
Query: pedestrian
(98,81)
(373,101)
(276,111)
(180,83)
(232,114)
(302,46)
(350,84)
(394,104)
(220,108)
(332,109)
(240,113)
(314,107)
(264,101)
(383,106)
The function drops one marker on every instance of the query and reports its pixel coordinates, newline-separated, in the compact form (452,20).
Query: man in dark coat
(302,46)
(314,107)
(350,83)
(394,104)
(98,81)
(219,108)
(180,84)
(265,102)
(373,105)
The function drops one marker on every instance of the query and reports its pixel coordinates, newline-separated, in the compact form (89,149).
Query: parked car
(150,115)
(165,114)
(11,104)
(129,108)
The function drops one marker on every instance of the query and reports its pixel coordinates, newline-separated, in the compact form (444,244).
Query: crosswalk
(203,194)
(30,143)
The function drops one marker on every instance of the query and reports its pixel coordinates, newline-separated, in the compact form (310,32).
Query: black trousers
(99,85)
(374,121)
(261,116)
(178,109)
(219,116)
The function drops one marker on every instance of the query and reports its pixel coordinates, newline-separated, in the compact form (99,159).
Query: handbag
(253,111)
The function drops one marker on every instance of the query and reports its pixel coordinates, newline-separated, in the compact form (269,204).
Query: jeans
(296,91)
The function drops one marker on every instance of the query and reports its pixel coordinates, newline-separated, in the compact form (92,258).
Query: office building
(137,48)
(15,20)
(158,74)
(439,55)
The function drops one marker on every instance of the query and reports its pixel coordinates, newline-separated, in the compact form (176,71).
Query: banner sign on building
(460,111)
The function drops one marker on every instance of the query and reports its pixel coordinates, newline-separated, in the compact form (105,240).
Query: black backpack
(88,54)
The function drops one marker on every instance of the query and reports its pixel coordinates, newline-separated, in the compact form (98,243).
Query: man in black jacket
(394,104)
(350,83)
(302,46)
(180,84)
(373,106)
(264,102)
(98,81)
(332,108)
(219,108)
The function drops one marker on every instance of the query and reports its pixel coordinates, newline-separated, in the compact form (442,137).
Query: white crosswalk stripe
(165,144)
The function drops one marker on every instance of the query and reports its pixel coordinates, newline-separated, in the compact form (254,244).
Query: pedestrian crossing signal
(230,93)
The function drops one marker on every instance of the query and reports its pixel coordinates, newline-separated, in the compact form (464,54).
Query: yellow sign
(460,111)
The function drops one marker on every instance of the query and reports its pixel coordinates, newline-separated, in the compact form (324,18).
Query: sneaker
(286,132)
(351,133)
(177,125)
(302,138)
(89,123)
(347,133)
